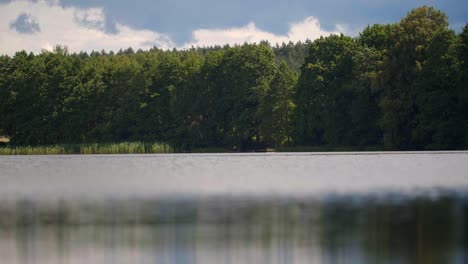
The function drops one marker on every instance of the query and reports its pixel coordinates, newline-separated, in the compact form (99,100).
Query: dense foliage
(399,86)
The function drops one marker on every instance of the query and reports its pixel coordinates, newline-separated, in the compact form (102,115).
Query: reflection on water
(358,208)
(334,229)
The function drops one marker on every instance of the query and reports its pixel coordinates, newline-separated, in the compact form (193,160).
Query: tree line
(396,86)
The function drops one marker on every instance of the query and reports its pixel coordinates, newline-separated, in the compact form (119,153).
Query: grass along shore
(142,148)
(148,148)
(94,148)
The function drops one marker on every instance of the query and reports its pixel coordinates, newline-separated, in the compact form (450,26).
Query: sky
(86,25)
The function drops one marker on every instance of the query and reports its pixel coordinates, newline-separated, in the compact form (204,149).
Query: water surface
(235,208)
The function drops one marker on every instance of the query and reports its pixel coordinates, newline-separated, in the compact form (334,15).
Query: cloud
(25,24)
(79,29)
(92,18)
(309,28)
(42,24)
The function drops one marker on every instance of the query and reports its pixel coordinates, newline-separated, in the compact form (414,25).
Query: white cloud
(92,17)
(309,28)
(79,29)
(84,30)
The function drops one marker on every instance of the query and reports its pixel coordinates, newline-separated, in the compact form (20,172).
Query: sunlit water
(235,208)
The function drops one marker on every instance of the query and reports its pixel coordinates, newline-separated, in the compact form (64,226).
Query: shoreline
(138,148)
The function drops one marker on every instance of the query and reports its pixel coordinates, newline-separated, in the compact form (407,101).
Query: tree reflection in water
(337,229)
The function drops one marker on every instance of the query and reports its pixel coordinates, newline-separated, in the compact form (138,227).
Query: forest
(400,86)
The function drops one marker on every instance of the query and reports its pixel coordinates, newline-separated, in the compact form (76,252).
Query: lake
(364,207)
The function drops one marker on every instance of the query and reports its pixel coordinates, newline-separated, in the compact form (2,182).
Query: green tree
(399,86)
(25,106)
(402,68)
(365,95)
(242,81)
(322,113)
(292,53)
(186,101)
(377,36)
(156,120)
(276,108)
(462,52)
(7,97)
(439,118)
(56,83)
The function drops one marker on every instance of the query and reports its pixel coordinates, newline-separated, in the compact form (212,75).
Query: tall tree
(276,108)
(242,81)
(322,113)
(7,97)
(439,101)
(402,68)
(462,52)
(25,106)
(365,96)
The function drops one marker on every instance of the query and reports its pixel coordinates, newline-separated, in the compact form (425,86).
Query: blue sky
(114,24)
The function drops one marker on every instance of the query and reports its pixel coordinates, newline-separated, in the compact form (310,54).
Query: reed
(94,148)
